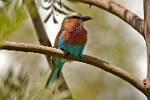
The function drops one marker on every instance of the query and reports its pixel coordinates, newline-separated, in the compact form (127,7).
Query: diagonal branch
(86,59)
(43,38)
(132,19)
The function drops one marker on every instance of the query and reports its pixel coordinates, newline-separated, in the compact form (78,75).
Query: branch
(85,59)
(38,25)
(43,38)
(132,19)
(147,38)
(37,22)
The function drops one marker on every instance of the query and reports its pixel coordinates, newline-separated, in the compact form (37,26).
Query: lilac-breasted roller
(71,38)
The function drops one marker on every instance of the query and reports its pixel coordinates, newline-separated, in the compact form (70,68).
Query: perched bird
(71,38)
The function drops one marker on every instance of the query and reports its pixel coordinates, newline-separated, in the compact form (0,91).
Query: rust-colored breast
(75,35)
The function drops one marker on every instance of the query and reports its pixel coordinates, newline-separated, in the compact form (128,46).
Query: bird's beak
(86,18)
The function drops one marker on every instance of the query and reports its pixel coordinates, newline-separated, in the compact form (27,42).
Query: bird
(71,38)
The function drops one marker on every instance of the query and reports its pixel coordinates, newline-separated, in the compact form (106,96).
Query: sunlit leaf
(56,6)
(10,19)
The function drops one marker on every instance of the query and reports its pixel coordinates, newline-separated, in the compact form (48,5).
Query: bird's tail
(54,74)
(52,79)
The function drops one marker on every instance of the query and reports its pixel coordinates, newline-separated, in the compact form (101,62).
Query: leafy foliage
(55,7)
(13,86)
(12,14)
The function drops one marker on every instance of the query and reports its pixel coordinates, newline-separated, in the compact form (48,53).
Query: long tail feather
(52,78)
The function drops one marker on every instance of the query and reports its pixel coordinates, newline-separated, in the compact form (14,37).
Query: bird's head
(75,19)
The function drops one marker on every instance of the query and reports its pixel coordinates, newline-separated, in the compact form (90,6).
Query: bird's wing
(57,38)
(58,42)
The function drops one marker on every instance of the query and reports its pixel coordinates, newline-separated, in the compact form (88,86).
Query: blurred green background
(23,75)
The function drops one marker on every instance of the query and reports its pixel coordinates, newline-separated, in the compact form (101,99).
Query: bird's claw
(65,53)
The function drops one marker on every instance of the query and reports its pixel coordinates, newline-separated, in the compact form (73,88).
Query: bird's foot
(65,54)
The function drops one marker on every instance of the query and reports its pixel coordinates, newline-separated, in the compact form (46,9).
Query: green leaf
(10,19)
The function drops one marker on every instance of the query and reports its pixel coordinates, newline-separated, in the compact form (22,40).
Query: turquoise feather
(59,62)
(73,49)
(71,38)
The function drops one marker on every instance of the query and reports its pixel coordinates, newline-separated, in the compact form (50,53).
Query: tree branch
(43,38)
(147,38)
(85,59)
(38,25)
(132,19)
